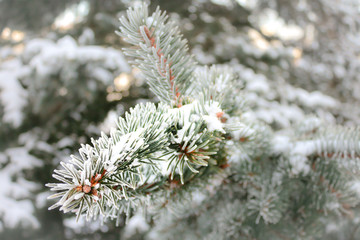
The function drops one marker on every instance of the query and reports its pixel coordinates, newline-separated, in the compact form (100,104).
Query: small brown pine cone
(86,189)
(94,192)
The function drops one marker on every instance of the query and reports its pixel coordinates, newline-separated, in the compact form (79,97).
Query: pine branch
(158,154)
(105,171)
(121,170)
(160,53)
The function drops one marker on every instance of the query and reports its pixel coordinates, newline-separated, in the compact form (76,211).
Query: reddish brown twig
(163,71)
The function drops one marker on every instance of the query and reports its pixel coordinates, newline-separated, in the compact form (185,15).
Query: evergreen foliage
(251,177)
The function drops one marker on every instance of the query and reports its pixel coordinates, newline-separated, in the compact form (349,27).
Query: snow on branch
(159,51)
(129,163)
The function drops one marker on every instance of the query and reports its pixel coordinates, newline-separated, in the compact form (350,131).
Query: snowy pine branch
(277,177)
(159,51)
(150,144)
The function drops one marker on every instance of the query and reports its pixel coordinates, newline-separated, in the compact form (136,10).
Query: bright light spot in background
(6,33)
(63,91)
(223,2)
(297,53)
(247,3)
(17,35)
(309,35)
(258,40)
(111,97)
(272,25)
(71,16)
(123,82)
(13,35)
(65,20)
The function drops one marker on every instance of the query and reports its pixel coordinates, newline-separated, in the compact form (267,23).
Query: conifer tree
(201,162)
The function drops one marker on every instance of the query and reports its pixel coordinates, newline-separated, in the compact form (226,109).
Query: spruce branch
(161,153)
(149,148)
(106,171)
(159,51)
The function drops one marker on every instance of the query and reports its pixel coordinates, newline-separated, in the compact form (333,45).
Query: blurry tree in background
(63,79)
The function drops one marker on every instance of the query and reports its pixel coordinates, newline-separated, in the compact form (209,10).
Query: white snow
(213,124)
(87,37)
(238,155)
(84,226)
(243,131)
(184,112)
(281,144)
(189,113)
(304,148)
(16,206)
(150,21)
(48,57)
(258,83)
(43,58)
(164,167)
(299,164)
(64,142)
(41,199)
(212,120)
(12,95)
(198,197)
(128,143)
(136,224)
(355,186)
(43,146)
(281,114)
(310,99)
(109,122)
(18,212)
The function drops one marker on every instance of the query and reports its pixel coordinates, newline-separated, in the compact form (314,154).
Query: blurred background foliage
(63,79)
